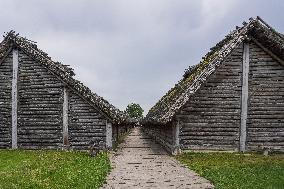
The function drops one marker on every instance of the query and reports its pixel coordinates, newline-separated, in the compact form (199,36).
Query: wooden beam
(15,99)
(117,133)
(268,51)
(6,54)
(244,97)
(176,132)
(108,135)
(65,116)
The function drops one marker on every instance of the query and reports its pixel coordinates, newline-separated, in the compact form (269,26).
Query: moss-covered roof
(65,73)
(165,109)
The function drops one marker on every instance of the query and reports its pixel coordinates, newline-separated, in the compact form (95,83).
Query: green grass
(52,169)
(235,171)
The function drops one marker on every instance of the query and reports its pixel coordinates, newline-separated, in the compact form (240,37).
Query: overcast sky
(131,50)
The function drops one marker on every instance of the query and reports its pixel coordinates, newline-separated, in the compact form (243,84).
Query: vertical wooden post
(15,99)
(176,131)
(65,117)
(117,133)
(108,135)
(244,98)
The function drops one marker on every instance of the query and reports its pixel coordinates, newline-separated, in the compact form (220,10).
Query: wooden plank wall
(118,131)
(163,134)
(40,106)
(115,133)
(5,101)
(86,124)
(40,110)
(210,120)
(265,124)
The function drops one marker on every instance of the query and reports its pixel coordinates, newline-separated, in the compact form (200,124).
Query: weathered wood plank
(176,134)
(265,123)
(108,135)
(40,106)
(15,99)
(87,127)
(65,116)
(6,74)
(244,101)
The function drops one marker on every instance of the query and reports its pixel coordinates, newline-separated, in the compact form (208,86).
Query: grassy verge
(52,169)
(238,171)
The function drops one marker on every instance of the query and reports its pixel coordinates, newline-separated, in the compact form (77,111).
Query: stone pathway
(142,163)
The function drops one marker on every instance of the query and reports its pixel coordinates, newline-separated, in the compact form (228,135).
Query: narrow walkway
(142,163)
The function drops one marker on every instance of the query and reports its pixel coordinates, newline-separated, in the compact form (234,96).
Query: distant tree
(134,110)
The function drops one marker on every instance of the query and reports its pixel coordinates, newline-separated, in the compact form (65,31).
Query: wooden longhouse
(43,107)
(232,100)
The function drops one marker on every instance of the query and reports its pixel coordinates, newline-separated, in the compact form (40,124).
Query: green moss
(52,169)
(238,171)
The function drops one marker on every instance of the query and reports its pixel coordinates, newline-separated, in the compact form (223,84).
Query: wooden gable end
(216,117)
(211,117)
(43,114)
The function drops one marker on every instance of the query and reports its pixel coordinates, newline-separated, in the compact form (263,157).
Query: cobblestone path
(142,163)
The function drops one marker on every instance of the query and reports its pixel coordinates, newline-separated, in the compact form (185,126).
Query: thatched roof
(165,109)
(11,39)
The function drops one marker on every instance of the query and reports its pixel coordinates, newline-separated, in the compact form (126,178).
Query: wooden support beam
(244,97)
(176,132)
(15,99)
(117,133)
(5,55)
(108,135)
(268,51)
(65,116)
